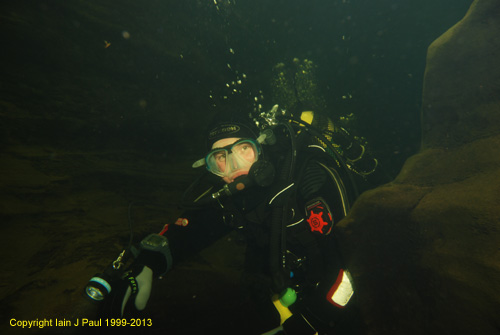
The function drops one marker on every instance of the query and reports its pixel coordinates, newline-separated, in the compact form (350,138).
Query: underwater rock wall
(424,249)
(462,83)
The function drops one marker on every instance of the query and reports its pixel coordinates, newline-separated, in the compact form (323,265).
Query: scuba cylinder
(353,151)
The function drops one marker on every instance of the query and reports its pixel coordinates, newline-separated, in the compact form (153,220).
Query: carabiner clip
(117,264)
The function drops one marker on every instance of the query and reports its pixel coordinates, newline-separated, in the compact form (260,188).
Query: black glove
(154,252)
(154,259)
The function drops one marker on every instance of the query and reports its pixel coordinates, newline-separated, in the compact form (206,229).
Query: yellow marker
(285,313)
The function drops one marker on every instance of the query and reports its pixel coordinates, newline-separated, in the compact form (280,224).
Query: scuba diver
(283,181)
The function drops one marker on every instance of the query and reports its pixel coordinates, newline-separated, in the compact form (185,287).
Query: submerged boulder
(424,249)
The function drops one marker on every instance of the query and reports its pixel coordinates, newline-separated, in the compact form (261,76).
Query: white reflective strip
(294,224)
(283,190)
(344,291)
(340,187)
(316,146)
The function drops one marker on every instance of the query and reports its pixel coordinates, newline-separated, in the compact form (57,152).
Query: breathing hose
(277,240)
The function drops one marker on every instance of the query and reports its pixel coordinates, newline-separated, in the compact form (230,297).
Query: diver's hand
(144,280)
(140,280)
(275,331)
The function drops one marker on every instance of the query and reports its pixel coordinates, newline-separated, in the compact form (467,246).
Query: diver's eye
(241,148)
(220,157)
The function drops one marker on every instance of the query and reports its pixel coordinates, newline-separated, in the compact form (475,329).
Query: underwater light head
(98,287)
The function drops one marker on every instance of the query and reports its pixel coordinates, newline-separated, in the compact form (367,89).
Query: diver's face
(243,156)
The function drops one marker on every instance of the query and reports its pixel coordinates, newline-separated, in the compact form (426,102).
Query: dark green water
(98,97)
(150,89)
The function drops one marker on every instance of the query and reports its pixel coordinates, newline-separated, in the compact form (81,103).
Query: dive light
(100,286)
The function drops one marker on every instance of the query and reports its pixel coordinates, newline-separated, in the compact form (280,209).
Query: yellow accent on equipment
(284,311)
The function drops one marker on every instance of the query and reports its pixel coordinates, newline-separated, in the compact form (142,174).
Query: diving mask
(229,160)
